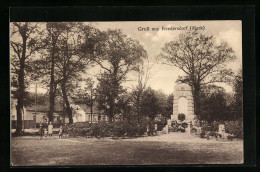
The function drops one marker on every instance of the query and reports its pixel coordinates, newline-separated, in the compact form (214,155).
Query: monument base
(188,118)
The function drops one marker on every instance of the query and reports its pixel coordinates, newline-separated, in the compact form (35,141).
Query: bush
(184,125)
(193,130)
(207,130)
(160,125)
(119,129)
(82,125)
(181,129)
(235,128)
(100,129)
(232,127)
(151,128)
(129,129)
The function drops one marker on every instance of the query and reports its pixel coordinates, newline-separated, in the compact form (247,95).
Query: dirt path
(180,137)
(173,148)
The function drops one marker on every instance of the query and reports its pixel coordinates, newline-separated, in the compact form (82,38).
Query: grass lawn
(30,151)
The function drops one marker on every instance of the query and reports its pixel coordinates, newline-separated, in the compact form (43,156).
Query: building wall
(26,124)
(88,118)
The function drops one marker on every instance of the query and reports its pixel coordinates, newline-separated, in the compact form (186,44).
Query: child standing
(41,131)
(50,129)
(45,133)
(60,132)
(65,131)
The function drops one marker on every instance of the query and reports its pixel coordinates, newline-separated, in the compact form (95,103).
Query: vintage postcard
(126,93)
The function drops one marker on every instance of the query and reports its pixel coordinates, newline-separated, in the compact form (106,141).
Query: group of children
(48,131)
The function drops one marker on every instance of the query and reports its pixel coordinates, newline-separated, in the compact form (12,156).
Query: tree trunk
(197,101)
(111,110)
(110,115)
(20,99)
(21,90)
(66,101)
(91,106)
(52,101)
(138,108)
(52,93)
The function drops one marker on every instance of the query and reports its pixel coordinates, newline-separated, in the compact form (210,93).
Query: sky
(164,76)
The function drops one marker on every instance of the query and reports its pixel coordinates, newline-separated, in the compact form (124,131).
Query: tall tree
(201,59)
(86,96)
(167,109)
(143,71)
(214,106)
(150,105)
(77,47)
(237,105)
(162,101)
(54,32)
(45,67)
(119,55)
(108,93)
(24,42)
(125,107)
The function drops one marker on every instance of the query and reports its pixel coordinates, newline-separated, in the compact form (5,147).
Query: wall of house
(26,124)
(87,118)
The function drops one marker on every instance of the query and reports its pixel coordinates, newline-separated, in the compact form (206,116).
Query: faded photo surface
(126,93)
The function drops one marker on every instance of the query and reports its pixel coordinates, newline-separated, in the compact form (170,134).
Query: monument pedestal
(183,102)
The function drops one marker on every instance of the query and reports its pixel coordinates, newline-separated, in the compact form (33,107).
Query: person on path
(45,133)
(60,132)
(45,125)
(41,130)
(50,129)
(65,130)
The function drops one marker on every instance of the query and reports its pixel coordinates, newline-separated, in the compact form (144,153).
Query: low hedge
(231,127)
(103,129)
(235,128)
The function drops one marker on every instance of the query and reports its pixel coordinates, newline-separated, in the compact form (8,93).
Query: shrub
(206,130)
(100,129)
(151,128)
(181,129)
(184,125)
(160,125)
(215,126)
(174,129)
(235,128)
(119,129)
(193,130)
(129,129)
(82,124)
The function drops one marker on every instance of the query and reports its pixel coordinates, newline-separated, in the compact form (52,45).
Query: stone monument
(183,102)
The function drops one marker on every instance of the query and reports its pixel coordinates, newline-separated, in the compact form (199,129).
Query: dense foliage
(106,129)
(201,59)
(235,128)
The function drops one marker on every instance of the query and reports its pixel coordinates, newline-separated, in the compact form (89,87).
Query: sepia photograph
(126,93)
